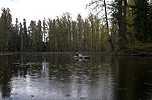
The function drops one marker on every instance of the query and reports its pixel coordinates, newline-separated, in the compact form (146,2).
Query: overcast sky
(38,9)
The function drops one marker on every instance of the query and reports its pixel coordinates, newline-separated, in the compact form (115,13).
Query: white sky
(38,9)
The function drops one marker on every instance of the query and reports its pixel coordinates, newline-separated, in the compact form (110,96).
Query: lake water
(61,77)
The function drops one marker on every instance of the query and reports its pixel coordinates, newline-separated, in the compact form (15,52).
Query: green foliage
(55,35)
(142,21)
(35,36)
(130,25)
(5,29)
(145,47)
(142,47)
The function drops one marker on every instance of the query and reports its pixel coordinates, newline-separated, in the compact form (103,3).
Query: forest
(124,24)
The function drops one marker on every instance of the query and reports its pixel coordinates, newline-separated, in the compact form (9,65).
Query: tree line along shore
(118,53)
(128,30)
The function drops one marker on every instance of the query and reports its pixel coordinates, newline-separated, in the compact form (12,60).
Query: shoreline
(137,53)
(10,53)
(131,53)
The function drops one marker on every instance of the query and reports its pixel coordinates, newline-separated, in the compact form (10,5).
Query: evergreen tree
(39,36)
(44,33)
(16,37)
(50,36)
(22,37)
(119,14)
(25,36)
(142,21)
(91,19)
(33,35)
(130,21)
(5,29)
(68,22)
(55,36)
(80,32)
(86,27)
(74,36)
(64,33)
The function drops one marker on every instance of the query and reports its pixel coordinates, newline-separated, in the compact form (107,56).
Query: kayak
(82,57)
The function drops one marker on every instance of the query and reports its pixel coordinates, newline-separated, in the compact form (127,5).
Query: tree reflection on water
(59,76)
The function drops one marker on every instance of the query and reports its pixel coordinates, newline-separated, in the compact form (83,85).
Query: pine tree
(22,37)
(91,19)
(16,36)
(33,35)
(6,29)
(39,36)
(44,34)
(80,32)
(86,27)
(25,36)
(141,20)
(50,35)
(74,36)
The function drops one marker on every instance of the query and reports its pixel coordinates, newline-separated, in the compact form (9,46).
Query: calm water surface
(61,77)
